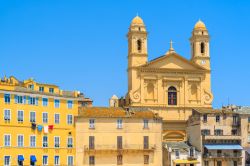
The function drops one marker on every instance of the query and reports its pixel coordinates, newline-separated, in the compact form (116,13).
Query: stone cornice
(176,71)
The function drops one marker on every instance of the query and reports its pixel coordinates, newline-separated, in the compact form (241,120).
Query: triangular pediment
(173,61)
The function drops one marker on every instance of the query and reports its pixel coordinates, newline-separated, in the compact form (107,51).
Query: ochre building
(37,123)
(170,84)
(118,136)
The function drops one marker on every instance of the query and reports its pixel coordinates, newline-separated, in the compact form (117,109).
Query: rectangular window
(33,100)
(6,160)
(219,153)
(218,132)
(206,163)
(70,142)
(41,89)
(205,132)
(45,102)
(69,119)
(45,160)
(33,116)
(57,118)
(119,159)
(145,142)
(57,103)
(70,104)
(177,154)
(91,160)
(51,90)
(32,141)
(234,132)
(192,152)
(7,98)
(20,115)
(235,163)
(119,123)
(219,163)
(45,141)
(57,160)
(217,118)
(248,138)
(20,99)
(45,117)
(146,159)
(248,119)
(70,161)
(91,123)
(20,140)
(57,142)
(145,123)
(31,87)
(205,118)
(7,140)
(91,142)
(7,115)
(119,142)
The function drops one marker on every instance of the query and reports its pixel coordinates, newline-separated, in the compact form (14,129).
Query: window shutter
(29,102)
(24,99)
(16,99)
(36,102)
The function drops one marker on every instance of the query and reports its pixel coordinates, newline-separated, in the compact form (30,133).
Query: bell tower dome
(137,49)
(200,45)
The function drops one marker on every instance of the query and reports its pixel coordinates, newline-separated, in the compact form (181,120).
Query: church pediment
(173,61)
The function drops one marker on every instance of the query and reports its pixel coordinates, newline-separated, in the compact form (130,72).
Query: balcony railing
(124,148)
(222,155)
(236,124)
(192,157)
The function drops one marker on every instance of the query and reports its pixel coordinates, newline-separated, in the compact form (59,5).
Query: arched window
(172,96)
(139,45)
(202,48)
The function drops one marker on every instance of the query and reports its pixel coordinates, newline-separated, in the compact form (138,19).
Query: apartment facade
(37,123)
(218,135)
(180,154)
(115,136)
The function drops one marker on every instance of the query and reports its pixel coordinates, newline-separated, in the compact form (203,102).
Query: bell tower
(137,50)
(200,45)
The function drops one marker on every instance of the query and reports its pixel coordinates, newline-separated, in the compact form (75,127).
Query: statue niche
(149,91)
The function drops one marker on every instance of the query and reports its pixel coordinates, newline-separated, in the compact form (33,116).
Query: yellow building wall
(106,133)
(15,128)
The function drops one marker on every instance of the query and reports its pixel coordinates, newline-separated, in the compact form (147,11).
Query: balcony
(222,137)
(236,124)
(192,157)
(113,148)
(222,155)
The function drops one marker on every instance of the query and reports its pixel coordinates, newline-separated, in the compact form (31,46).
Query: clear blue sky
(81,45)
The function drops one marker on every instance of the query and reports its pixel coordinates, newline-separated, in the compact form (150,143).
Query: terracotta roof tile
(114,112)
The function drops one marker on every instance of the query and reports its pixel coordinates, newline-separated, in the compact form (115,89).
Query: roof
(176,145)
(200,25)
(114,112)
(212,111)
(243,110)
(223,146)
(137,20)
(177,56)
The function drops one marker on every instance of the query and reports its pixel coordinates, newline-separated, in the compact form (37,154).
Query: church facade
(169,85)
